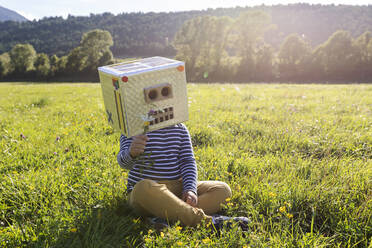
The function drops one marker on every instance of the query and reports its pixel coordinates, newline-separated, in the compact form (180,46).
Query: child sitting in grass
(162,181)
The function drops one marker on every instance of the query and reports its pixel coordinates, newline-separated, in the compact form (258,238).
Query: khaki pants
(162,199)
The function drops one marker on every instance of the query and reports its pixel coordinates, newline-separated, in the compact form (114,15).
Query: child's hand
(190,198)
(138,145)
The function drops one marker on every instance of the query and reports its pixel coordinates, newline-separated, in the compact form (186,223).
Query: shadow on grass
(116,226)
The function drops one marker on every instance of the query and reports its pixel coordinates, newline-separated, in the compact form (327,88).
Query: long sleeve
(187,163)
(124,159)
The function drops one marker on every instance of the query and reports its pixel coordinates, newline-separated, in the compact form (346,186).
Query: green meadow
(298,159)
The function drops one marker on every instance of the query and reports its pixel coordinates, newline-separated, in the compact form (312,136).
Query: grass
(297,157)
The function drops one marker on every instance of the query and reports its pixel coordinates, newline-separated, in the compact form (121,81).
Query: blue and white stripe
(168,156)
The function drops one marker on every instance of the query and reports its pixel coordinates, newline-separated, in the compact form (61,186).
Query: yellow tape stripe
(124,115)
(120,111)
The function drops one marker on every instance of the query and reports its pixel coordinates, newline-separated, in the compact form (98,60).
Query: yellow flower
(271,194)
(228,199)
(282,209)
(178,228)
(179,243)
(206,240)
(162,234)
(290,216)
(150,231)
(73,230)
(146,123)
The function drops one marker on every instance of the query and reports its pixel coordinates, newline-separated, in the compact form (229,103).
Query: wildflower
(288,204)
(228,199)
(58,138)
(179,243)
(73,229)
(150,231)
(206,240)
(271,194)
(290,216)
(55,153)
(148,118)
(282,209)
(162,234)
(22,136)
(178,228)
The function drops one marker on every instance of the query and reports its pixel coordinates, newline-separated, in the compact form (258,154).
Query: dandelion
(178,228)
(282,209)
(271,194)
(206,240)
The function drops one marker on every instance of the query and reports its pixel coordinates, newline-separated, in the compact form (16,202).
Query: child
(162,181)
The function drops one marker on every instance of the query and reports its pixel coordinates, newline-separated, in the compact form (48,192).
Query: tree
(362,66)
(293,58)
(53,65)
(5,65)
(369,59)
(264,63)
(75,61)
(42,65)
(248,32)
(22,58)
(95,49)
(201,44)
(340,56)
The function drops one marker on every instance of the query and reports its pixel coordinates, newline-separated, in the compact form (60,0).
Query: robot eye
(165,91)
(153,94)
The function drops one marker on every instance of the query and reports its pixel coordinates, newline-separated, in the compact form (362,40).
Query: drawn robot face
(144,95)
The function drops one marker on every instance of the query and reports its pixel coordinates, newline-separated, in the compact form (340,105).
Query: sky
(37,9)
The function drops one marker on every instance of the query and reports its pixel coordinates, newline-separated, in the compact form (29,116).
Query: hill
(10,15)
(146,34)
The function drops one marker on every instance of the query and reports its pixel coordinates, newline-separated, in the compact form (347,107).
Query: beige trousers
(163,199)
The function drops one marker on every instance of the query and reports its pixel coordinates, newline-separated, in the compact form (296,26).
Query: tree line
(148,34)
(22,62)
(215,49)
(225,49)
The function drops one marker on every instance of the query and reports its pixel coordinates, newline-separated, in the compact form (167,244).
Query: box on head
(144,95)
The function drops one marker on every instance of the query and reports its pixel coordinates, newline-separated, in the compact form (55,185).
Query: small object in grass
(158,223)
(58,138)
(22,136)
(67,149)
(220,221)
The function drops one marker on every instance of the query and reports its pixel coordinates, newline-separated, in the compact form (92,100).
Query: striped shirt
(168,156)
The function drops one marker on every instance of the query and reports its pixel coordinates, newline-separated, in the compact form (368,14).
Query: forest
(316,44)
(148,34)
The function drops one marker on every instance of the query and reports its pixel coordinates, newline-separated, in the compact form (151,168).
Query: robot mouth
(162,115)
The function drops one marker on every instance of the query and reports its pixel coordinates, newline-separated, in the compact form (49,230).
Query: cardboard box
(144,95)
